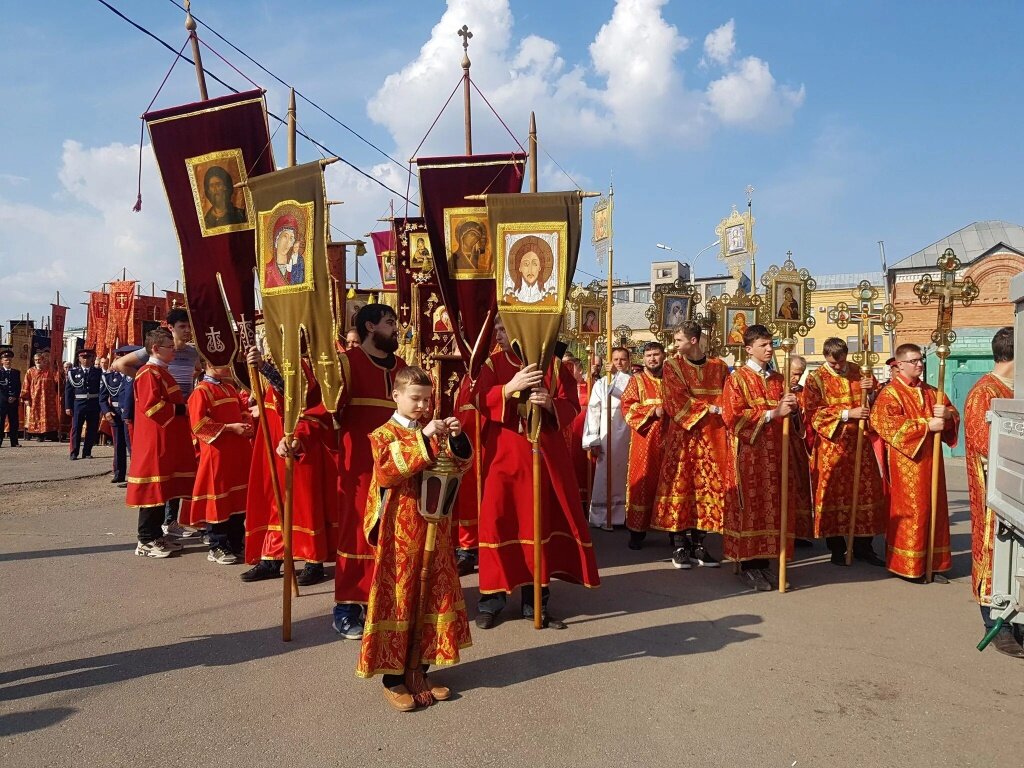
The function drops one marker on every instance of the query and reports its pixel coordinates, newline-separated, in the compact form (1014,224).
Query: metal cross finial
(946,290)
(465,34)
(789,255)
(866,318)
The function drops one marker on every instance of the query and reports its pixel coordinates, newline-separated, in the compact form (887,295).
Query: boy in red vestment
(832,399)
(163,465)
(506,513)
(695,483)
(906,414)
(996,384)
(224,433)
(401,450)
(643,408)
(313,485)
(755,402)
(367,383)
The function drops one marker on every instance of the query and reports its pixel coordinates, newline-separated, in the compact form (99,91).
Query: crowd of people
(684,446)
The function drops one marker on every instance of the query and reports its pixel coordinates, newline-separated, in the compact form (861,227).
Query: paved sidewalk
(107,659)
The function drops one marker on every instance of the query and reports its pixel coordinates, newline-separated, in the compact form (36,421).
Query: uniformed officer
(114,388)
(10,395)
(82,403)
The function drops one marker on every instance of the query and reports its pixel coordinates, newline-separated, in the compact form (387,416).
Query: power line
(287,85)
(311,140)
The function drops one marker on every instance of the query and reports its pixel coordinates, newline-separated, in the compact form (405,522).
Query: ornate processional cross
(866,318)
(946,290)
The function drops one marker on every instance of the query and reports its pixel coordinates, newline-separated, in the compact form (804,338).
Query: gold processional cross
(866,318)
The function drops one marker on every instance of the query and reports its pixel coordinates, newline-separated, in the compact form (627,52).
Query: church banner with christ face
(536,241)
(203,150)
(291,256)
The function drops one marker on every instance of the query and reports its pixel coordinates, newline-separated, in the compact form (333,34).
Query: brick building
(991,252)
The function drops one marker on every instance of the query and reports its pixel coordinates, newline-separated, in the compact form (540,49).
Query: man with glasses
(906,414)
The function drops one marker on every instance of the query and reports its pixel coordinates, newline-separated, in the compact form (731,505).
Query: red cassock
(834,460)
(574,435)
(163,464)
(752,527)
(506,514)
(222,480)
(976,433)
(40,394)
(900,416)
(696,480)
(365,404)
(467,503)
(640,402)
(314,484)
(394,525)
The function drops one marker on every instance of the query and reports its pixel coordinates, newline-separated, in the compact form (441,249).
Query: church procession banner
(291,257)
(536,240)
(459,239)
(96,322)
(58,318)
(120,313)
(384,247)
(203,150)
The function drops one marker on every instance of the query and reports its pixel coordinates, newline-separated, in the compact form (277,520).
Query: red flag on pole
(120,315)
(58,317)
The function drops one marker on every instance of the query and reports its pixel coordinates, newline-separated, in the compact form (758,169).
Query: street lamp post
(692,265)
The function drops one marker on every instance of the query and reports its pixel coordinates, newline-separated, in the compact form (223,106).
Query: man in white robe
(595,440)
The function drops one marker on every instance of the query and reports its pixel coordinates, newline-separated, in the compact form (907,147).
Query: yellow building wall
(822,302)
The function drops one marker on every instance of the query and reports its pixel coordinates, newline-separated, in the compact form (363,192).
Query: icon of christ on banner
(220,207)
(530,277)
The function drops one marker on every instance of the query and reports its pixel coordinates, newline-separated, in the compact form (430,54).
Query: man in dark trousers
(10,394)
(82,403)
(114,388)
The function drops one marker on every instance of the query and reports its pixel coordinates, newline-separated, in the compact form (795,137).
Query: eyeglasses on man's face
(915,362)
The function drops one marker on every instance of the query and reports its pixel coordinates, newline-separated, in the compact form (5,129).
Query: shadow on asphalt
(39,554)
(206,651)
(33,720)
(664,641)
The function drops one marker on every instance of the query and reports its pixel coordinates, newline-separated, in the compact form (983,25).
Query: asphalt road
(107,659)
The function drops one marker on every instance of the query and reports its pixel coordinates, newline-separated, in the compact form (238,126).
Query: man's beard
(656,372)
(385,342)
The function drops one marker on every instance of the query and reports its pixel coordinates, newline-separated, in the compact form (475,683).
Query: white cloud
(749,96)
(89,233)
(631,91)
(720,44)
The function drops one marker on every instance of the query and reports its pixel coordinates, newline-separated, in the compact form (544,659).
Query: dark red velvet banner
(58,317)
(384,247)
(203,150)
(463,256)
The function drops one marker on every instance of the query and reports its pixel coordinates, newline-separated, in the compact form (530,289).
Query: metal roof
(630,313)
(968,243)
(846,280)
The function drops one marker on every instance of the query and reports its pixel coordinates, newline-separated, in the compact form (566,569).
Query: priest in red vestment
(643,408)
(223,432)
(367,382)
(467,503)
(906,414)
(755,402)
(42,398)
(314,527)
(696,480)
(996,384)
(163,465)
(402,449)
(832,399)
(506,514)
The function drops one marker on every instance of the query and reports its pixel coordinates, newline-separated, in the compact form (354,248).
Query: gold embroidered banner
(536,239)
(291,260)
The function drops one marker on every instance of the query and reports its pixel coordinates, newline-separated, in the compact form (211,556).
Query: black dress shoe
(74,458)
(312,573)
(838,558)
(117,479)
(869,557)
(264,569)
(87,456)
(486,620)
(803,543)
(547,621)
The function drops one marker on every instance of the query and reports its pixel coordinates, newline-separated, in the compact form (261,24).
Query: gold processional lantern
(439,488)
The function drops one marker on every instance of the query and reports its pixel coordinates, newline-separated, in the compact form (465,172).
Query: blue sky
(855,122)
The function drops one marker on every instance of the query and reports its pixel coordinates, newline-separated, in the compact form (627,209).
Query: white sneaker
(222,557)
(154,548)
(179,531)
(173,546)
